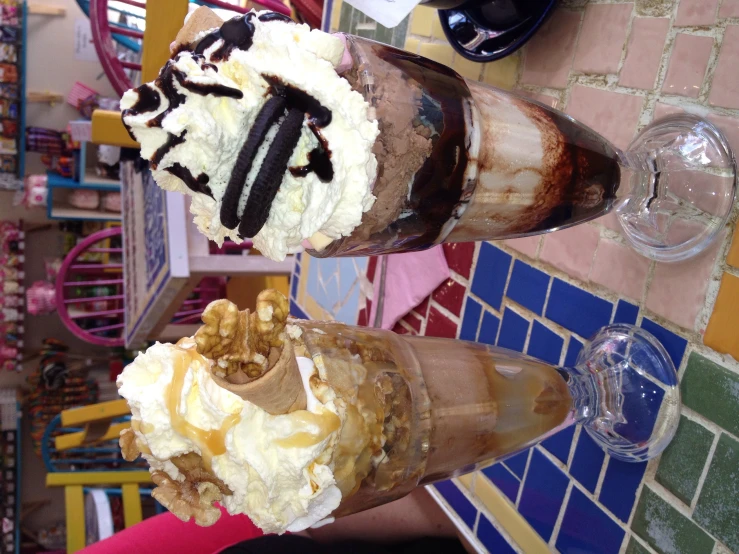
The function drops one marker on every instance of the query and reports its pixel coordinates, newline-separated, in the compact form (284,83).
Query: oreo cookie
(268,116)
(271,173)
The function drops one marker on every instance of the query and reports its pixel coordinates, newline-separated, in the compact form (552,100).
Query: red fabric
(165,534)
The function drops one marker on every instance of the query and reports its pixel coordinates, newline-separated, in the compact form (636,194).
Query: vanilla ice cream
(268,462)
(253,121)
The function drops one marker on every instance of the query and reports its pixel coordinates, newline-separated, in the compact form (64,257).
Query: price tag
(386,12)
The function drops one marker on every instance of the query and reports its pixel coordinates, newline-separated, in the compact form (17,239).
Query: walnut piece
(239,341)
(194,496)
(127,442)
(187,500)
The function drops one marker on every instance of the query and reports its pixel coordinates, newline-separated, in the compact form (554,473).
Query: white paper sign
(84,48)
(386,12)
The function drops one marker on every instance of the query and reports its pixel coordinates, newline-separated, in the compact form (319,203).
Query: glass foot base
(682,178)
(631,405)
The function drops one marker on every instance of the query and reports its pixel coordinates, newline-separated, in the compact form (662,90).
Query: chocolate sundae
(300,139)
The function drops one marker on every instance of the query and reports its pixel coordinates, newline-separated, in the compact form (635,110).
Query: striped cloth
(79,92)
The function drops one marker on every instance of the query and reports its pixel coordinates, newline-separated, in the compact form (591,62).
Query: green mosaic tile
(384,35)
(350,19)
(636,548)
(682,463)
(667,530)
(345,18)
(713,391)
(718,504)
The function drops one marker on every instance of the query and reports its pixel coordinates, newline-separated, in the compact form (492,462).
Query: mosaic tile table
(614,66)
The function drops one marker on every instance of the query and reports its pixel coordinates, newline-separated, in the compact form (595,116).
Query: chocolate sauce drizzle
(171,142)
(274,16)
(148,101)
(196,184)
(319,162)
(237,33)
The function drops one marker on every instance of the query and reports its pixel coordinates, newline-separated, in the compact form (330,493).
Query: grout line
(573,447)
(601,475)
(523,479)
(704,474)
(560,516)
(696,417)
(455,318)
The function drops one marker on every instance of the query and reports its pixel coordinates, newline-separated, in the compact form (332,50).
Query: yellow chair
(97,425)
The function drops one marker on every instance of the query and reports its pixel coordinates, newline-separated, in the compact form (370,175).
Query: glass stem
(597,394)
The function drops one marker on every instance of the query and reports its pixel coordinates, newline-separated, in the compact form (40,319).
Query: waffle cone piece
(201,20)
(254,356)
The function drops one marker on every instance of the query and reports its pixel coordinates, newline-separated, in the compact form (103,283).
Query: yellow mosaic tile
(411,45)
(503,73)
(721,333)
(421,21)
(733,257)
(508,518)
(467,68)
(436,30)
(335,14)
(441,53)
(467,481)
(305,300)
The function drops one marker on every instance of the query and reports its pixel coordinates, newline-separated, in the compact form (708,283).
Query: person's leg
(165,534)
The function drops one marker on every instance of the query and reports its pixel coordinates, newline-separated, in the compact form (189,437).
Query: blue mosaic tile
(528,286)
(470,320)
(491,539)
(587,528)
(349,271)
(674,344)
(294,286)
(545,344)
(543,493)
(297,269)
(349,309)
(573,351)
(296,311)
(626,313)
(517,463)
(587,461)
(620,483)
(488,328)
(577,310)
(645,411)
(504,480)
(458,502)
(299,256)
(513,331)
(491,274)
(560,443)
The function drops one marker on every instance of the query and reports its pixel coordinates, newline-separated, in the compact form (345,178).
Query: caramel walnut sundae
(268,416)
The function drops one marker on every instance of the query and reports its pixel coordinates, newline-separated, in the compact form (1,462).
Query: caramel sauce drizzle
(327,421)
(212,442)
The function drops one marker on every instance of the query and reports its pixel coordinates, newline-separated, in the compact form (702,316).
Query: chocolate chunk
(270,175)
(268,116)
